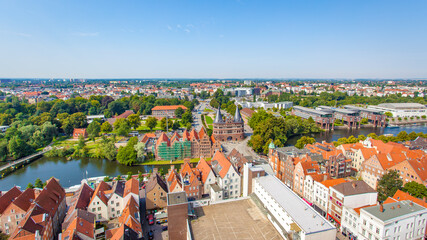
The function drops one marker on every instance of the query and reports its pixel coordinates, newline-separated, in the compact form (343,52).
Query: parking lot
(233,220)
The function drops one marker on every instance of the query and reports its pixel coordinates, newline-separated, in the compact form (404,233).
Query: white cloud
(169,27)
(187,30)
(178,25)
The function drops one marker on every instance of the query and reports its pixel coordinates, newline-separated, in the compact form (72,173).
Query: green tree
(178,112)
(106,127)
(107,179)
(127,155)
(107,149)
(304,140)
(188,126)
(175,125)
(121,127)
(415,189)
(151,123)
(3,150)
(38,183)
(187,117)
(388,114)
(134,121)
(18,147)
(402,136)
(163,124)
(30,185)
(48,131)
(388,184)
(140,151)
(78,120)
(93,130)
(129,176)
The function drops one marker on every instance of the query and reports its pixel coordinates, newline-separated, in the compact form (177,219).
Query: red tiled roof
(7,198)
(24,200)
(163,138)
(100,192)
(126,114)
(131,186)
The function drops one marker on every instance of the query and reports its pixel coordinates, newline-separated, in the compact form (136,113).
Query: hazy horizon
(213,39)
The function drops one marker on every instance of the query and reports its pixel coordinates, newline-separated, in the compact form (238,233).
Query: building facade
(166,111)
(230,129)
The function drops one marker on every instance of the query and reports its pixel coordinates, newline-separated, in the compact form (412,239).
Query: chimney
(392,208)
(424,199)
(381,207)
(411,204)
(398,205)
(353,185)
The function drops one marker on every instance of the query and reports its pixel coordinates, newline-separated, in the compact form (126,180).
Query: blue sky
(213,39)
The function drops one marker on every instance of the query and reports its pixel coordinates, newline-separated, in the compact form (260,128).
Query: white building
(397,220)
(227,177)
(401,109)
(266,105)
(90,118)
(292,217)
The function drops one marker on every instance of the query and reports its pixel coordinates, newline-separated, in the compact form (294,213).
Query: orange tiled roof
(223,161)
(131,186)
(401,196)
(170,107)
(204,168)
(333,182)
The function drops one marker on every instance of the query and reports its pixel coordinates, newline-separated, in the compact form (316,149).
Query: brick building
(230,128)
(191,144)
(79,132)
(156,192)
(166,111)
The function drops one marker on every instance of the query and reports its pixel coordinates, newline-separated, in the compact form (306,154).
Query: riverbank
(166,162)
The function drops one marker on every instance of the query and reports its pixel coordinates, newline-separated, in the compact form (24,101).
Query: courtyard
(239,219)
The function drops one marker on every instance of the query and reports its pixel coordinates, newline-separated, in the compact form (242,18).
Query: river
(71,172)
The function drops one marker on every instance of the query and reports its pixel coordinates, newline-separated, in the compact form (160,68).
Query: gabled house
(98,204)
(16,210)
(156,192)
(228,178)
(208,176)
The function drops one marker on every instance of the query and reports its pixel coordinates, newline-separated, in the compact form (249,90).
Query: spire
(237,116)
(218,117)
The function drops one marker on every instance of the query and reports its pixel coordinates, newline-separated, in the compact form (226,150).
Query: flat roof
(391,210)
(303,214)
(177,198)
(360,109)
(310,110)
(402,105)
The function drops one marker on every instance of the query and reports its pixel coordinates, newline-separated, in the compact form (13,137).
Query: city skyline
(225,39)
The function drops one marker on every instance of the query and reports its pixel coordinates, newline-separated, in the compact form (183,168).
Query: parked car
(164,228)
(150,234)
(150,219)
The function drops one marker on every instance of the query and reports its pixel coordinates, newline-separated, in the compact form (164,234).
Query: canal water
(340,133)
(70,172)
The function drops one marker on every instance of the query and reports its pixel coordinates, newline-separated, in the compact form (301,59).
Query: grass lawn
(208,110)
(166,162)
(210,126)
(208,120)
(145,128)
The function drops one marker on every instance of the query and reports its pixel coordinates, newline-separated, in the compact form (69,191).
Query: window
(99,216)
(117,204)
(99,208)
(112,209)
(93,209)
